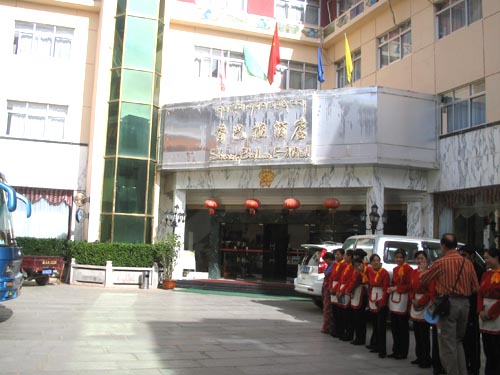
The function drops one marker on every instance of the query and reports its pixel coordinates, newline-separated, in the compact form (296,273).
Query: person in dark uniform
(472,339)
(345,323)
(357,289)
(337,269)
(398,305)
(378,281)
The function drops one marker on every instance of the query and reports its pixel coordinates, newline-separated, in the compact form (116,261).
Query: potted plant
(167,252)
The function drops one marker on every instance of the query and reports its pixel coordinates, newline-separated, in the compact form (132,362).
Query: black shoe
(346,338)
(415,362)
(392,355)
(425,364)
(382,355)
(369,347)
(356,342)
(399,356)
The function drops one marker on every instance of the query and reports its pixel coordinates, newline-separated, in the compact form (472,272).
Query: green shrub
(92,253)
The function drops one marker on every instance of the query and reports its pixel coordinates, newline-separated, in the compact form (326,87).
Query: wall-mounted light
(174,217)
(374,218)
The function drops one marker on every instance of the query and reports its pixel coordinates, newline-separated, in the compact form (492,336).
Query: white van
(386,245)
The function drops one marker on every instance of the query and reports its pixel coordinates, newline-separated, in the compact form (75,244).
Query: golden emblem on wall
(266,177)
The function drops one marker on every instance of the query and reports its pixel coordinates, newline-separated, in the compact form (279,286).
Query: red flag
(274,56)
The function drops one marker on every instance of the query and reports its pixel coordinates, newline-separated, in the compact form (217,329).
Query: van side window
(367,244)
(433,249)
(390,248)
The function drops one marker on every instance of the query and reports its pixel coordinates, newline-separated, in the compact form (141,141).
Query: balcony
(240,22)
(359,8)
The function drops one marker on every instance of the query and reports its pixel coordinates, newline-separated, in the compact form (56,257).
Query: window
(452,15)
(298,11)
(341,72)
(36,120)
(356,7)
(394,45)
(210,62)
(463,107)
(42,40)
(298,76)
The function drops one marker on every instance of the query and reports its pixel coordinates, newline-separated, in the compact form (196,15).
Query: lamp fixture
(374,218)
(174,217)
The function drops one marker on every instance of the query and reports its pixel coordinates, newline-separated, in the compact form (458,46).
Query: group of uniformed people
(355,293)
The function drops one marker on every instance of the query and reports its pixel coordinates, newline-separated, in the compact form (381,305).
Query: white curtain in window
(46,221)
(62,48)
(45,34)
(35,124)
(15,126)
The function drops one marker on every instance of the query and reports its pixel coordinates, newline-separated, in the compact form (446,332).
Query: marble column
(414,219)
(179,200)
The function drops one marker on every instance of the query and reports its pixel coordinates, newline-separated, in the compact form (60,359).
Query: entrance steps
(240,286)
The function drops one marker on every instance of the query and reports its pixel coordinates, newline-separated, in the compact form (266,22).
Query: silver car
(310,272)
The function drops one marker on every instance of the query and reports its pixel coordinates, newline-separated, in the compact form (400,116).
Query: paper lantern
(252,205)
(212,205)
(291,204)
(331,204)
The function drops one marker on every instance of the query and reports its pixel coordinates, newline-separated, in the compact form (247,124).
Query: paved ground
(70,330)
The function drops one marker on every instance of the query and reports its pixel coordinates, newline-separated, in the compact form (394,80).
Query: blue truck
(11,256)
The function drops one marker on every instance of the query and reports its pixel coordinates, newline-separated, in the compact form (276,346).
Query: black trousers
(359,322)
(346,326)
(491,347)
(472,341)
(436,361)
(335,320)
(379,322)
(422,331)
(400,328)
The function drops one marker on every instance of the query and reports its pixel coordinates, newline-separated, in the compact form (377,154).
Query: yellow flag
(348,60)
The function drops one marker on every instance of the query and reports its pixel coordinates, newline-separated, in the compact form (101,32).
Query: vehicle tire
(318,302)
(43,280)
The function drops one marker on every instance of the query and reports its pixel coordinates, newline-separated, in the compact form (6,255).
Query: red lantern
(252,205)
(291,204)
(331,204)
(212,205)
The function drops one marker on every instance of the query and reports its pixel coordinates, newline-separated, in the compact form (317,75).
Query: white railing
(113,277)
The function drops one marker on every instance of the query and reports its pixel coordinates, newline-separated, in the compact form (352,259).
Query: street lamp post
(174,217)
(374,218)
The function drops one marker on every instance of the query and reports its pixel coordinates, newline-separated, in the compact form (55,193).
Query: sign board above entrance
(353,126)
(257,130)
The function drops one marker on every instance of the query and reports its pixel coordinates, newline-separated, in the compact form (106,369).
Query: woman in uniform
(325,292)
(378,282)
(345,326)
(357,289)
(421,296)
(488,306)
(398,306)
(337,269)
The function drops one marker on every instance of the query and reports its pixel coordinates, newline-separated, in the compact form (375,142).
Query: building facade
(416,133)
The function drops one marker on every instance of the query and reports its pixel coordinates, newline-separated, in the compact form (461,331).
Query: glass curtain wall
(131,149)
